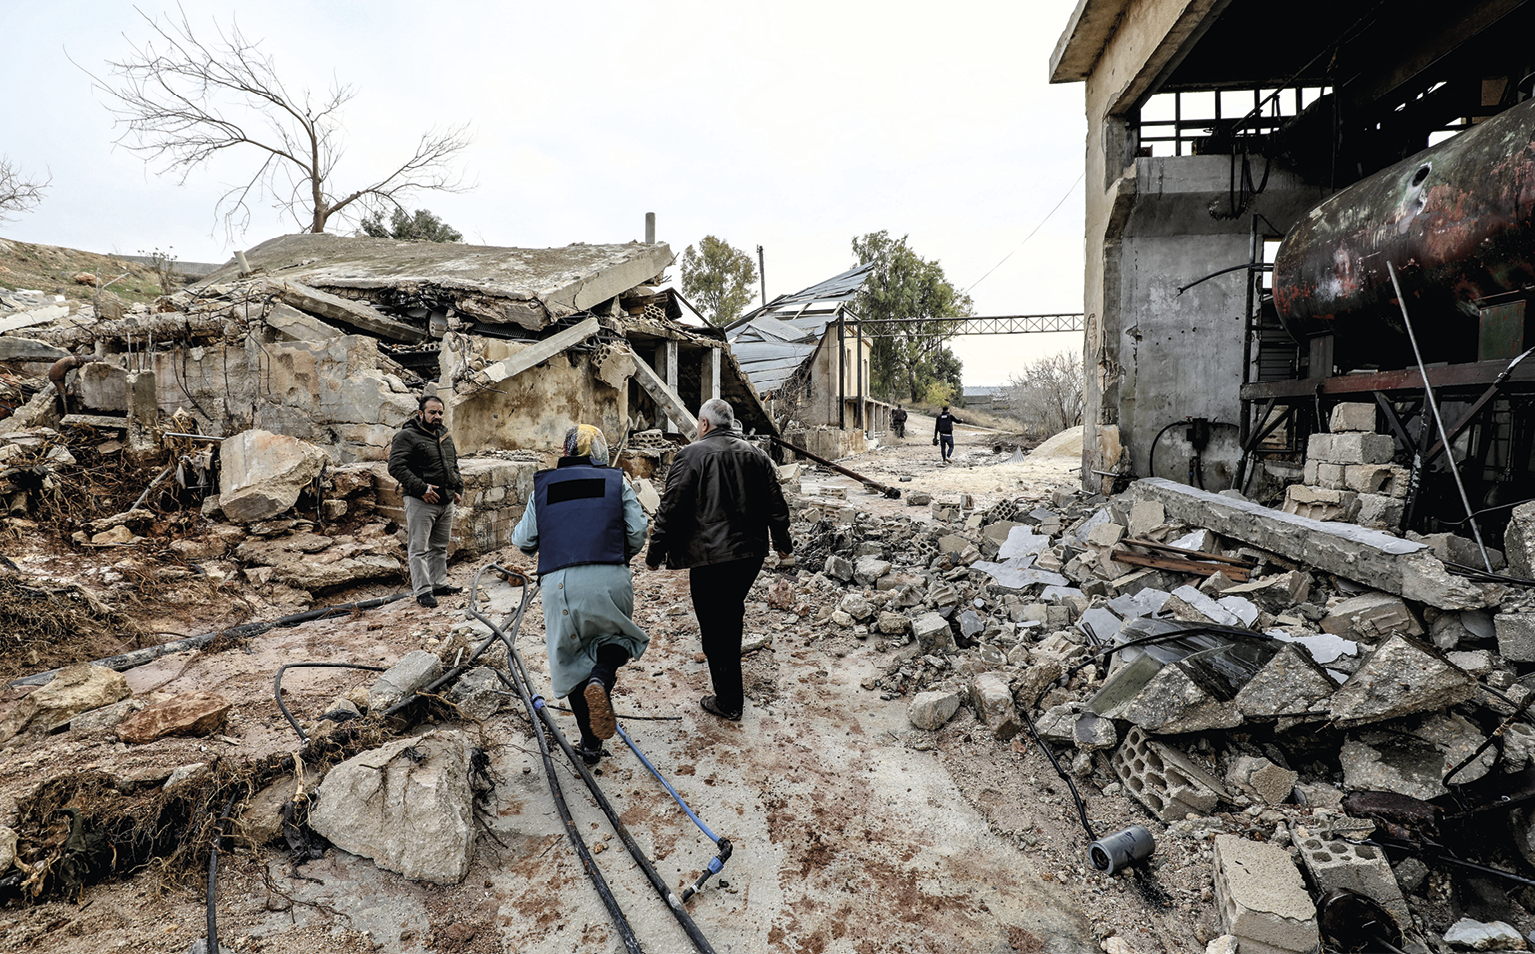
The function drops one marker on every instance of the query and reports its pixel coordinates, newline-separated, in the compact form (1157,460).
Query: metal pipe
(892,492)
(152,485)
(1438,420)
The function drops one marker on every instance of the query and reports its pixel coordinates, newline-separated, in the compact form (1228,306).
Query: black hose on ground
(277,686)
(213,876)
(536,704)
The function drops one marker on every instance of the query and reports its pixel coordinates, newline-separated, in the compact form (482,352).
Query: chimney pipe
(650,228)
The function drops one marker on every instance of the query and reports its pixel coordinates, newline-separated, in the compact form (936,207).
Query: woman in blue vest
(586,524)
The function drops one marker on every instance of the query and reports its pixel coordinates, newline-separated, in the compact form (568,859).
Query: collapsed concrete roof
(527,287)
(773,341)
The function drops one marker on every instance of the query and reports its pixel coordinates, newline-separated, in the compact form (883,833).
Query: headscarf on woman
(584,440)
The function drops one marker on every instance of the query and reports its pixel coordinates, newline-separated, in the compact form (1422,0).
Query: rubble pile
(1287,702)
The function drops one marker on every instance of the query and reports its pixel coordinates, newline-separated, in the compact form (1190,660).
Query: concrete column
(710,384)
(666,370)
(143,412)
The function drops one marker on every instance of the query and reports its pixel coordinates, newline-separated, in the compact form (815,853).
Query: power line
(1026,238)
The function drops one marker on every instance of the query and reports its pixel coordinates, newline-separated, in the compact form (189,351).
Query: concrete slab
(1372,557)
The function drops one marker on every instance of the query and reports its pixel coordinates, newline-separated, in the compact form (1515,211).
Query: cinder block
(1331,476)
(1372,616)
(1336,863)
(1320,503)
(1367,478)
(1380,511)
(1357,448)
(1319,447)
(1352,417)
(1163,779)
(1262,899)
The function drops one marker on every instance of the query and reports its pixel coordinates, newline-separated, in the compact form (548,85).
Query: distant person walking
(586,524)
(722,504)
(943,433)
(898,421)
(425,462)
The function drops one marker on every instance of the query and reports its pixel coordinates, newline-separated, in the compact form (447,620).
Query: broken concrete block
(1172,703)
(1094,733)
(73,690)
(414,671)
(1380,511)
(1411,756)
(1335,863)
(932,633)
(993,701)
(1480,936)
(1262,898)
(1163,779)
(1519,541)
(1402,677)
(1106,535)
(839,568)
(1320,503)
(406,805)
(1190,605)
(1225,944)
(918,498)
(193,713)
(1145,516)
(869,569)
(1370,478)
(1518,747)
(1276,592)
(892,624)
(261,474)
(477,693)
(1371,617)
(1352,416)
(930,710)
(1516,636)
(1288,684)
(1261,777)
(1022,542)
(857,606)
(1057,723)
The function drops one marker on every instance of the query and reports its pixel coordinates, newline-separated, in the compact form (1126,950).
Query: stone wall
(496,492)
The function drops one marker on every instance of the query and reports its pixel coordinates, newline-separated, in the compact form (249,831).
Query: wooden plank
(1236,574)
(1198,554)
(536,354)
(355,313)
(665,396)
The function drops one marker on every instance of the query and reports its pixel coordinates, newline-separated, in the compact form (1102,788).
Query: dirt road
(853,832)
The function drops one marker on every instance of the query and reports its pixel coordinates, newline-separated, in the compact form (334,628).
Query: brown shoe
(600,705)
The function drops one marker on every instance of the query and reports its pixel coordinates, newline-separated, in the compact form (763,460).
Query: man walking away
(425,462)
(898,421)
(721,506)
(586,524)
(943,433)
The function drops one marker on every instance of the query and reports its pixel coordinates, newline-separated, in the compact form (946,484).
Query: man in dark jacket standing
(722,504)
(943,433)
(425,462)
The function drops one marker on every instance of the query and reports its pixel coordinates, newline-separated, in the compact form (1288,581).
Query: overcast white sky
(792,125)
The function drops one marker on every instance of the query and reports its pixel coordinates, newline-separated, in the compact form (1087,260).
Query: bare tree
(18,193)
(1047,394)
(184,102)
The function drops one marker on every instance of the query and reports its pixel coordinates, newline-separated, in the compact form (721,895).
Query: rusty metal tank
(1457,220)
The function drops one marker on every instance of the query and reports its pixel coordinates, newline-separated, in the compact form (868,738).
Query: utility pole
(762,274)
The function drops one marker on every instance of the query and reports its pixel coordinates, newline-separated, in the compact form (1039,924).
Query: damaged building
(1254,176)
(329,341)
(807,356)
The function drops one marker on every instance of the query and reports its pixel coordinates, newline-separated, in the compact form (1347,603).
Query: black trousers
(719,601)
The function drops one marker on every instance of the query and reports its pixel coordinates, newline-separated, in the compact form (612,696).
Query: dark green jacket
(419,456)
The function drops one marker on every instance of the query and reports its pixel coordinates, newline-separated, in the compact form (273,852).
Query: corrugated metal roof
(773,341)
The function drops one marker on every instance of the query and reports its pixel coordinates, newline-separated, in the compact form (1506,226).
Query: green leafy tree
(718,279)
(421,227)
(904,285)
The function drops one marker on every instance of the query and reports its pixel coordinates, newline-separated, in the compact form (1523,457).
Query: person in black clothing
(721,506)
(898,421)
(943,433)
(425,462)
